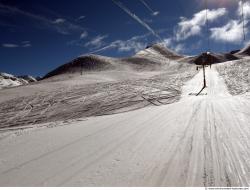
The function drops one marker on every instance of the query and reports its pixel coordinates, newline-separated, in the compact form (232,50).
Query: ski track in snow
(198,141)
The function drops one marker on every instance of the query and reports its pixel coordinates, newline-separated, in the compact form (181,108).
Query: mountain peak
(160,49)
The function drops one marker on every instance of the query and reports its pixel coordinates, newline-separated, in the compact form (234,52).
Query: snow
(7,75)
(198,141)
(95,93)
(8,83)
(8,80)
(28,78)
(237,75)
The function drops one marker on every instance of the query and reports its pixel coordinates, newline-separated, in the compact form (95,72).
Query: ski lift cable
(136,18)
(147,6)
(243,19)
(207,27)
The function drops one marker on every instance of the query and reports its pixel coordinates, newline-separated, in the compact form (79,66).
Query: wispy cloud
(246,9)
(24,44)
(173,45)
(81,18)
(232,31)
(84,35)
(96,42)
(60,25)
(135,17)
(154,13)
(191,27)
(10,45)
(133,45)
(59,21)
(217,3)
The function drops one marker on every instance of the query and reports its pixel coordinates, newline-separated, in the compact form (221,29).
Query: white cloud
(155,13)
(167,42)
(133,45)
(84,35)
(96,42)
(60,25)
(173,45)
(231,32)
(246,9)
(81,17)
(10,45)
(24,44)
(130,45)
(179,48)
(193,26)
(59,21)
(217,3)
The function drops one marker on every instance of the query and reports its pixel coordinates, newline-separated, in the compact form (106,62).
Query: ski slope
(198,141)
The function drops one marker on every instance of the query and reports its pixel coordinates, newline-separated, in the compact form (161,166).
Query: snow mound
(236,75)
(8,80)
(83,63)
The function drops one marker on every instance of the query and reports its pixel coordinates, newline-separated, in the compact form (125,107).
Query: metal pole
(207,27)
(243,19)
(204,76)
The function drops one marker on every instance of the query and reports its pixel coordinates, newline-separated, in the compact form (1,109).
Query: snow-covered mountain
(28,78)
(213,57)
(82,63)
(159,51)
(245,51)
(8,80)
(151,58)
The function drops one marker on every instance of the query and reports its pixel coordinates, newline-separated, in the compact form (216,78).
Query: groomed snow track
(199,141)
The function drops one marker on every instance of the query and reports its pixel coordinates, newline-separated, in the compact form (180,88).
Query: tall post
(243,19)
(204,76)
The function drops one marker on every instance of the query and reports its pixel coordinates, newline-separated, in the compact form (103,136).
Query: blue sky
(38,36)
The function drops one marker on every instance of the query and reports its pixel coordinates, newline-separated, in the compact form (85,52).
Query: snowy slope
(236,75)
(91,94)
(199,141)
